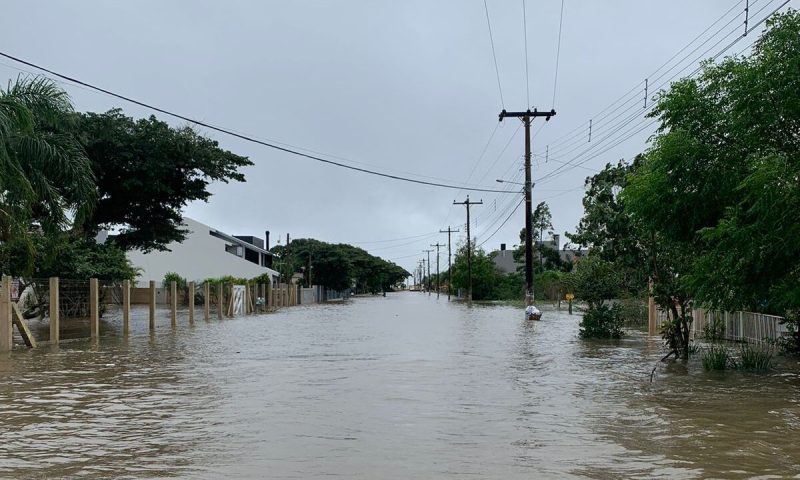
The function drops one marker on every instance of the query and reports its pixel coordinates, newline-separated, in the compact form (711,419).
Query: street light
(515,183)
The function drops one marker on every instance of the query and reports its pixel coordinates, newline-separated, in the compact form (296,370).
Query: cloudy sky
(403,87)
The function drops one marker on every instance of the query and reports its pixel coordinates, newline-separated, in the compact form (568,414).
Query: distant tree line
(338,266)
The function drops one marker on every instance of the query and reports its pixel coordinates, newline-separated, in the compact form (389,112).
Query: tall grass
(754,358)
(716,357)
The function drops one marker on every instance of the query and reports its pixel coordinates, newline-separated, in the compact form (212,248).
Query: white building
(205,253)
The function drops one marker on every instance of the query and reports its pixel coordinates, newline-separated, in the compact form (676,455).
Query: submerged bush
(602,321)
(790,343)
(716,357)
(754,358)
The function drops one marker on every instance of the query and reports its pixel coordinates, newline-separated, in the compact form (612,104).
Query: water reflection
(396,387)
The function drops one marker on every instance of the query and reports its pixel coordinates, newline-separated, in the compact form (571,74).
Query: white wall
(200,256)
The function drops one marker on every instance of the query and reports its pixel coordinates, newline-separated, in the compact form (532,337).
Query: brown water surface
(400,387)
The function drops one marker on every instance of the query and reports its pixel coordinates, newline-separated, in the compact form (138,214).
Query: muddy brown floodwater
(400,387)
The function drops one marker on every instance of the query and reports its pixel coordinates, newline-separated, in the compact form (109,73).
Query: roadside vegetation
(709,212)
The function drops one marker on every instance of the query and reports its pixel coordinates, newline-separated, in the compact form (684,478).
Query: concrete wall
(200,256)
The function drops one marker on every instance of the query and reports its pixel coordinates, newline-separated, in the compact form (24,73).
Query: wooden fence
(68,298)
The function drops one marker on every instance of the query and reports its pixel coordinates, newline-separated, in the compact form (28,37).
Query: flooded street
(405,386)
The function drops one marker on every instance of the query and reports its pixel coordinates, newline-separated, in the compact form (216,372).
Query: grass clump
(754,358)
(716,357)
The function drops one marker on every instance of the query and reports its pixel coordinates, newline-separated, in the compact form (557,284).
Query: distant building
(206,253)
(504,260)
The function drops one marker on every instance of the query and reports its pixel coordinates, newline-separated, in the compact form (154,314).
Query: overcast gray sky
(404,87)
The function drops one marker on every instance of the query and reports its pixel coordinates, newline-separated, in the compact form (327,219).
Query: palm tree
(46,180)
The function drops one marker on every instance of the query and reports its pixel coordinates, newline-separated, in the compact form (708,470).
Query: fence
(734,326)
(57,309)
(739,326)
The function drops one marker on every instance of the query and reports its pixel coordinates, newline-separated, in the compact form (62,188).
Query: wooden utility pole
(438,280)
(526,119)
(449,261)
(467,203)
(429,269)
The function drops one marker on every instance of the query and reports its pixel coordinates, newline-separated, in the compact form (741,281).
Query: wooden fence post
(230,302)
(207,301)
(652,317)
(191,302)
(246,299)
(268,296)
(6,339)
(220,301)
(94,307)
(263,292)
(173,293)
(55,329)
(152,300)
(126,307)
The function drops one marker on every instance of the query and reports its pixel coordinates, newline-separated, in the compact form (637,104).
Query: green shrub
(716,357)
(790,344)
(754,358)
(714,330)
(602,321)
(174,277)
(634,312)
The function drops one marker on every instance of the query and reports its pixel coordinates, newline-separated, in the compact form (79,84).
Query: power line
(699,68)
(525,31)
(563,168)
(422,235)
(494,54)
(558,53)
(504,222)
(244,137)
(635,88)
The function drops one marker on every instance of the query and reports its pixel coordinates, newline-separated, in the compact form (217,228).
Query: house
(504,260)
(505,263)
(206,253)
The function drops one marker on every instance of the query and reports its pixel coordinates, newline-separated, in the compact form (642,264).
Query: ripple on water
(405,386)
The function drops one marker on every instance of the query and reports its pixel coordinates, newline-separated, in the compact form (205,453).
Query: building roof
(239,241)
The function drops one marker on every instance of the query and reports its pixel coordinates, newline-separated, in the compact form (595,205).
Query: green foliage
(65,256)
(790,344)
(754,358)
(541,220)
(146,172)
(596,281)
(338,266)
(180,282)
(714,330)
(45,178)
(609,230)
(717,357)
(485,276)
(633,311)
(717,190)
(602,321)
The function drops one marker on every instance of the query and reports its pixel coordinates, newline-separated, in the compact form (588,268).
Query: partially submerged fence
(750,327)
(60,309)
(738,326)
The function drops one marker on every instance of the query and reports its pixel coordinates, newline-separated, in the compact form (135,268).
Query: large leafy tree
(716,194)
(609,230)
(46,183)
(146,172)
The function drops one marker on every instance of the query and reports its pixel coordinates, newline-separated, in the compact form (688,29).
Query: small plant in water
(754,358)
(714,330)
(716,357)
